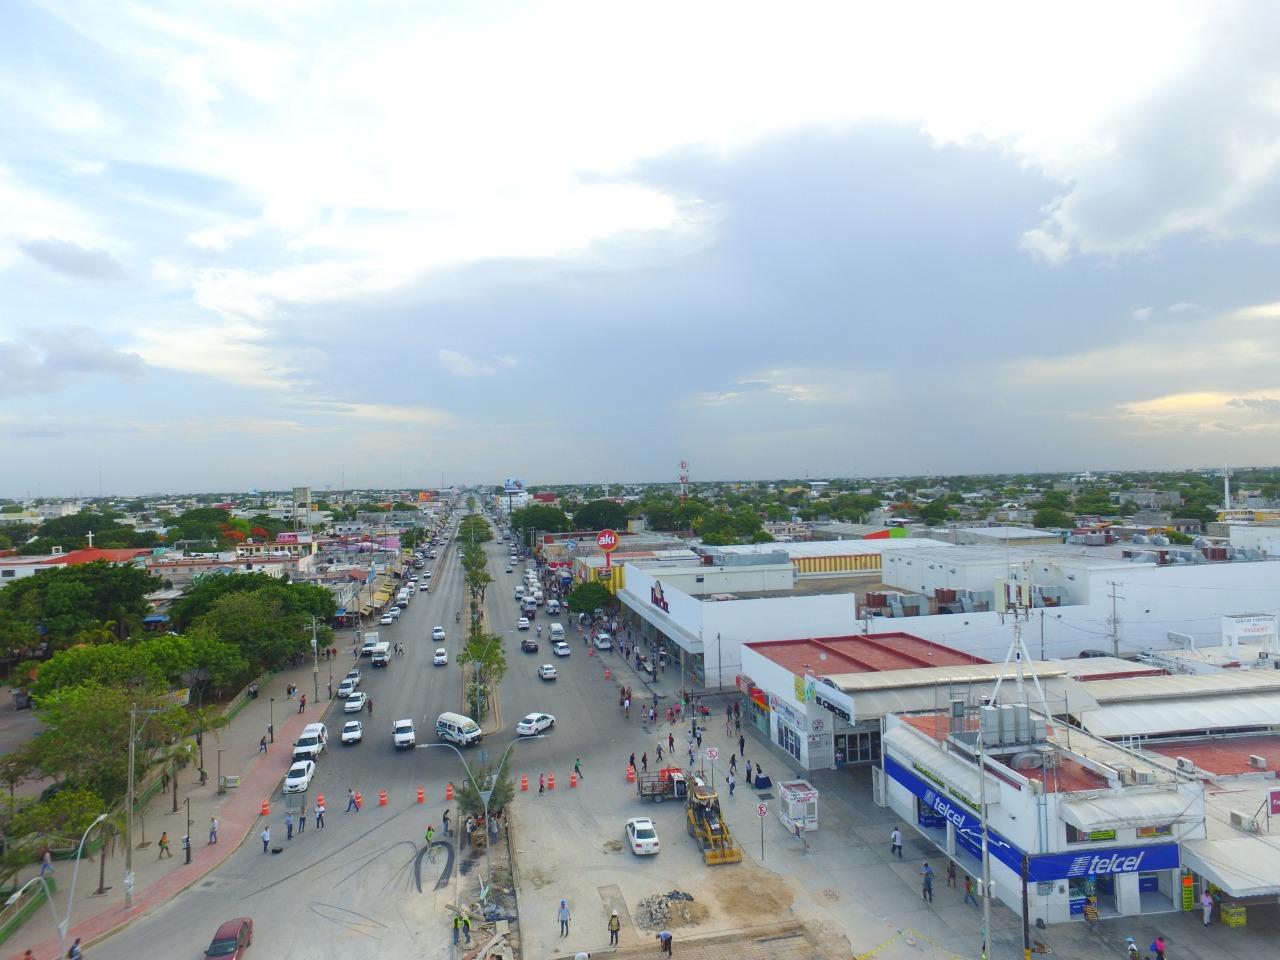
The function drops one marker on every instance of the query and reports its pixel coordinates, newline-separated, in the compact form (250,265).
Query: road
(348,890)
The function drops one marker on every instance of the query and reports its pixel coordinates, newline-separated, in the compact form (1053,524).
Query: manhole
(764,796)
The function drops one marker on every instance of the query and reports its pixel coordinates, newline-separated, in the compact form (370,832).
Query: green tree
(474,529)
(61,819)
(504,789)
(1047,517)
(586,597)
(539,517)
(600,515)
(935,512)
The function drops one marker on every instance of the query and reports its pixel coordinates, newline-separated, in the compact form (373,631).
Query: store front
(755,705)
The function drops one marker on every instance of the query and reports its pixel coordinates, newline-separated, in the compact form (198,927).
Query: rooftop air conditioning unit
(1124,773)
(1257,762)
(1244,822)
(1145,776)
(1185,764)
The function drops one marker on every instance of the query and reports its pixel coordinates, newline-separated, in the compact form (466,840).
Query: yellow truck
(706,825)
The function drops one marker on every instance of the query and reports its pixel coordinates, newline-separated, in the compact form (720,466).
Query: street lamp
(65,920)
(187,840)
(271,720)
(485,795)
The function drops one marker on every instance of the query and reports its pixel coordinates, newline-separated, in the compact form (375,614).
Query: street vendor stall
(798,805)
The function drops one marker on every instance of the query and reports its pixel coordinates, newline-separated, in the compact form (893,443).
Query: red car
(232,939)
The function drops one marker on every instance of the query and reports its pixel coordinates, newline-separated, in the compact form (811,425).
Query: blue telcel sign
(1041,867)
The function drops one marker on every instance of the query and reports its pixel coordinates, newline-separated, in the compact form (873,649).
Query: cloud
(45,361)
(1141,313)
(1264,405)
(72,260)
(461,365)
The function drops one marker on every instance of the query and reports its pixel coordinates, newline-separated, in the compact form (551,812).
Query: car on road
(508,569)
(386,619)
(603,641)
(642,837)
(413,578)
(437,633)
(345,689)
(352,731)
(403,735)
(529,645)
(355,703)
(395,613)
(311,744)
(522,623)
(535,723)
(427,574)
(353,675)
(231,939)
(547,671)
(299,776)
(560,649)
(441,658)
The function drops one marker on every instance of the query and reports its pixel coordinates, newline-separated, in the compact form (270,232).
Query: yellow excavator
(706,826)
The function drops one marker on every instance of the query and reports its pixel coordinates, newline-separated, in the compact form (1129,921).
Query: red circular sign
(607,540)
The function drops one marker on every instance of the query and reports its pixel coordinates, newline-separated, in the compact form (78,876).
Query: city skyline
(486,241)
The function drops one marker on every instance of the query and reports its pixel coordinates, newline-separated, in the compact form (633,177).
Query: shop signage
(656,597)
(607,540)
(1052,866)
(780,707)
(1273,802)
(834,701)
(745,683)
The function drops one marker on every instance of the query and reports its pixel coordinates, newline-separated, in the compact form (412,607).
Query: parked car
(603,641)
(403,735)
(560,649)
(299,776)
(641,836)
(311,744)
(355,703)
(386,619)
(352,731)
(345,689)
(437,634)
(547,672)
(353,675)
(535,723)
(231,939)
(441,658)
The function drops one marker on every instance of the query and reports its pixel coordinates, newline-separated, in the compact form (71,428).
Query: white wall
(746,579)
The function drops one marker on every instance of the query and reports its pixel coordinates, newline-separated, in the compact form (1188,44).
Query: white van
(368,648)
(519,593)
(557,631)
(381,654)
(455,728)
(315,736)
(553,606)
(537,595)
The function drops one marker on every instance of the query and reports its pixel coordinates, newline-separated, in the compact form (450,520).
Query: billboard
(513,485)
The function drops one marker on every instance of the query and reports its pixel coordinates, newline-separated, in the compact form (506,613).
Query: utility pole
(986,850)
(1041,634)
(1115,620)
(128,814)
(315,663)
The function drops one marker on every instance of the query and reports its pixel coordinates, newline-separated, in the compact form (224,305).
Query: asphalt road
(348,891)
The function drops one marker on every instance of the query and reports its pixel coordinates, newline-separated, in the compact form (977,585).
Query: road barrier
(524,783)
(422,795)
(551,781)
(382,798)
(631,774)
(448,791)
(573,780)
(359,800)
(266,809)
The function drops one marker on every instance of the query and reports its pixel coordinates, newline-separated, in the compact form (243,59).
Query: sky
(257,245)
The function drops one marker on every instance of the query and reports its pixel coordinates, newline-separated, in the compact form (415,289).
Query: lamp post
(186,841)
(485,795)
(65,921)
(315,662)
(222,786)
(271,720)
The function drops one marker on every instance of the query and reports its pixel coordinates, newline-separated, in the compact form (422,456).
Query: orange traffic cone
(382,798)
(266,809)
(573,780)
(359,800)
(422,795)
(631,774)
(608,674)
(551,781)
(448,791)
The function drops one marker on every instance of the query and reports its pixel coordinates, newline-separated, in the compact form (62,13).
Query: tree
(586,597)
(259,626)
(1047,517)
(935,512)
(469,800)
(539,517)
(474,529)
(599,515)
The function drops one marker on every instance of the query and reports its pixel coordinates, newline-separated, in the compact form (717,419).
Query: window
(788,740)
(1089,836)
(8,573)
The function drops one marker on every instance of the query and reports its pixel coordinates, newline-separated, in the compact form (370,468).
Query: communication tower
(684,479)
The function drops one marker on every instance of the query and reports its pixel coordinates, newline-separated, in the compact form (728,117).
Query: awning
(1242,866)
(960,777)
(340,612)
(1146,717)
(1131,810)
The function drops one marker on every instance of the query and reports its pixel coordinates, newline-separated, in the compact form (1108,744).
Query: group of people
(289,823)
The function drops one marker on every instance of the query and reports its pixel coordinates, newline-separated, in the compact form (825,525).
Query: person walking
(733,763)
(266,838)
(577,767)
(302,704)
(664,941)
(368,705)
(742,745)
(351,801)
(75,953)
(302,818)
(671,742)
(319,816)
(563,916)
(46,862)
(262,744)
(164,846)
(631,761)
(1206,906)
(431,834)
(658,754)
(733,782)
(615,925)
(699,738)
(213,830)
(951,874)
(288,824)
(926,882)
(970,895)
(749,780)
(1158,947)
(895,843)
(445,820)
(542,783)
(691,756)
(644,761)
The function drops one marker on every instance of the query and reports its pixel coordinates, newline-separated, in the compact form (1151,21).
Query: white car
(437,633)
(560,648)
(413,578)
(352,731)
(428,573)
(299,776)
(394,614)
(402,734)
(547,672)
(441,658)
(386,619)
(522,623)
(345,689)
(354,676)
(603,641)
(642,837)
(355,703)
(535,723)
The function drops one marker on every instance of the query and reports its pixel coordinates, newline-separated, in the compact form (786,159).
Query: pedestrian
(644,761)
(699,738)
(262,744)
(1158,947)
(1206,905)
(302,704)
(542,783)
(737,724)
(733,762)
(926,882)
(691,756)
(266,838)
(302,818)
(577,766)
(368,705)
(28,955)
(742,745)
(626,708)
(319,816)
(330,689)
(288,825)
(351,801)
(469,826)
(213,829)
(749,780)
(563,916)
(659,752)
(951,874)
(431,834)
(164,846)
(671,742)
(457,926)
(74,953)
(733,782)
(445,821)
(969,895)
(614,926)
(46,862)
(895,843)
(631,761)
(737,710)
(664,941)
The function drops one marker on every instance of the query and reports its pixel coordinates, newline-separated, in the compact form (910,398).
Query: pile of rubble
(655,912)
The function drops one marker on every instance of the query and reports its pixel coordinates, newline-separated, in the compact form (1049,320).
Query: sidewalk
(237,811)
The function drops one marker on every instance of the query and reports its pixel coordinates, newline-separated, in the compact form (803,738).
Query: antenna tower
(684,479)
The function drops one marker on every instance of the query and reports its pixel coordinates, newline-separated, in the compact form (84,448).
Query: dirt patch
(612,846)
(536,879)
(831,895)
(750,896)
(687,913)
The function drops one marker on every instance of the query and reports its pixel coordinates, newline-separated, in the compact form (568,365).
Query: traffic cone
(573,780)
(359,800)
(524,783)
(448,791)
(591,651)
(551,781)
(382,798)
(422,795)
(608,674)
(266,809)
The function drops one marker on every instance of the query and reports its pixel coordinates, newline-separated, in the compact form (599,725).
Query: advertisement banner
(513,485)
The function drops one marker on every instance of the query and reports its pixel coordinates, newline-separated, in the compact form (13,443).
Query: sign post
(607,540)
(712,753)
(762,811)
